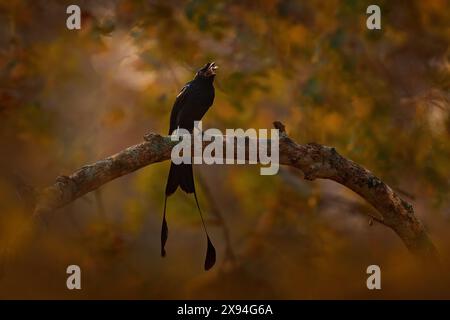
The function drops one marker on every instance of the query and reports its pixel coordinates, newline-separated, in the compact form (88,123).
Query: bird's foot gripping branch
(314,160)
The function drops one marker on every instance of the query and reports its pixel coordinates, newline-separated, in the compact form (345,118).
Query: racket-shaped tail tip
(210,259)
(164,235)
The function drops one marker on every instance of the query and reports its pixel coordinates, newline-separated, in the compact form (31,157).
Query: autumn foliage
(67,98)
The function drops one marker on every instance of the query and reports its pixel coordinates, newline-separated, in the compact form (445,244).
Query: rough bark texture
(314,160)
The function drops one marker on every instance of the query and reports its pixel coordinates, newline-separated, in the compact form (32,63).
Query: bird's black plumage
(191,104)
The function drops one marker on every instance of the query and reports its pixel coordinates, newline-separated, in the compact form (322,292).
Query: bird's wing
(177,106)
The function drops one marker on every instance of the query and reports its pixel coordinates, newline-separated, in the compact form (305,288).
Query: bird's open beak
(212,68)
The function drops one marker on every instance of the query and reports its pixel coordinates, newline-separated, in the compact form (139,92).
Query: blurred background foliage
(68,98)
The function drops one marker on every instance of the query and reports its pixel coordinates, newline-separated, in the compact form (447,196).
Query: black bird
(191,104)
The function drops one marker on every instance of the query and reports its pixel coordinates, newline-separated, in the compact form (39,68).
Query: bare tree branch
(314,160)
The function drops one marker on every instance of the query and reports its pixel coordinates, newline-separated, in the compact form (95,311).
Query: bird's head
(208,71)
